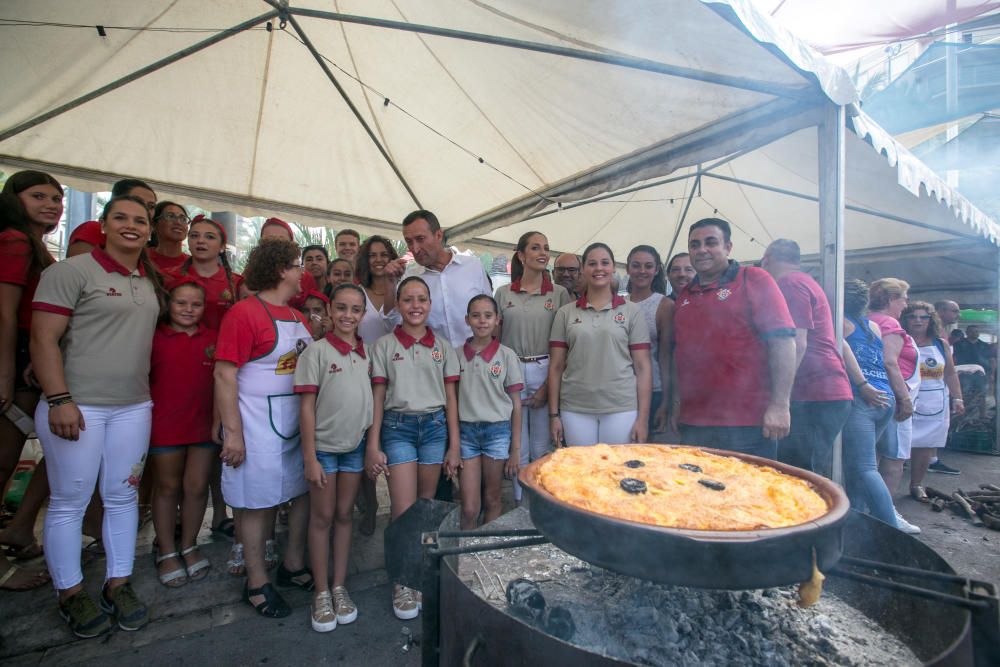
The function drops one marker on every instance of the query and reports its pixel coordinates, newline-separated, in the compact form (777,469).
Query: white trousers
(536,440)
(111,452)
(586,429)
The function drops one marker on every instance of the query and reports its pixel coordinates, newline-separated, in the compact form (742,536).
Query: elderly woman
(940,393)
(255,359)
(887,300)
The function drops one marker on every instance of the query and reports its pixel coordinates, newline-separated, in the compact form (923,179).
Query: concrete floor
(206,622)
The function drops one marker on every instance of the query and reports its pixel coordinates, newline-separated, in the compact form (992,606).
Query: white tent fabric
(483,134)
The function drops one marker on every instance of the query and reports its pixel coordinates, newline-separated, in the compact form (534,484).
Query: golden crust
(754,496)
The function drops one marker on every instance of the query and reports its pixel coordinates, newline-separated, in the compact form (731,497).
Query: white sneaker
(323,617)
(905,525)
(404,606)
(343,606)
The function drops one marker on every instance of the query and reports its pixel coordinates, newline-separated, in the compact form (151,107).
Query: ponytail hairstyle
(516,265)
(483,297)
(659,284)
(223,255)
(348,286)
(147,264)
(412,279)
(13,215)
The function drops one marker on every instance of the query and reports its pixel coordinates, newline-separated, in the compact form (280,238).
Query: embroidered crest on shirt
(437,355)
(723,294)
(549,305)
(577,321)
(496,369)
(619,318)
(226,295)
(396,356)
(113,292)
(334,368)
(510,304)
(210,352)
(685,302)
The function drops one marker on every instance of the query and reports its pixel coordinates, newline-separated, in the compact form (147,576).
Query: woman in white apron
(940,393)
(258,347)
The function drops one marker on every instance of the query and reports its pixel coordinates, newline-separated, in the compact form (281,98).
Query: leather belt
(539,357)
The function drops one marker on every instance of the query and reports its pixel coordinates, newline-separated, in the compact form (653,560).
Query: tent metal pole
(611,195)
(138,74)
(832,174)
(778,90)
(849,207)
(680,223)
(343,94)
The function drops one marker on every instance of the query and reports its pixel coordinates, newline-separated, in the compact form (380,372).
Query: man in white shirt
(453,277)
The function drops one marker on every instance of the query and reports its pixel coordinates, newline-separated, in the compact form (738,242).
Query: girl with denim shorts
(334,380)
(489,407)
(415,423)
(181,450)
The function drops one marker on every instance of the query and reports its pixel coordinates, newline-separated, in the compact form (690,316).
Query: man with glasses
(566,272)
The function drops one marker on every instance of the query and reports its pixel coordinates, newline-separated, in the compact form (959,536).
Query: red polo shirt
(164,263)
(180,384)
(821,375)
(721,354)
(219,295)
(15,269)
(247,331)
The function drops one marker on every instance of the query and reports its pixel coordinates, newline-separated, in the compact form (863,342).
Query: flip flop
(38,578)
(226,528)
(26,552)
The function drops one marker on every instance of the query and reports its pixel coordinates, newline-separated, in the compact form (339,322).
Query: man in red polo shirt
(734,350)
(821,395)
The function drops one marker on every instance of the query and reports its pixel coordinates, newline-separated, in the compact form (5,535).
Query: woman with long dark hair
(647,288)
(170,228)
(31,205)
(527,307)
(600,378)
(91,339)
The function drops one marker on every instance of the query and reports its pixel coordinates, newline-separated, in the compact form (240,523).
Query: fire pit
(907,608)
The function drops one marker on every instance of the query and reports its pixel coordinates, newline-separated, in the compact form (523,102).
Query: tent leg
(832,153)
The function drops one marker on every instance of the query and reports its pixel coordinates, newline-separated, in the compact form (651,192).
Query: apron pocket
(930,402)
(283,413)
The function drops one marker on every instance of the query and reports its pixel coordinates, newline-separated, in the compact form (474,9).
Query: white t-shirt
(451,289)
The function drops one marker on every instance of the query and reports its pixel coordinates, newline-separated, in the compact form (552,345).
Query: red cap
(89,232)
(313,294)
(203,218)
(172,282)
(280,223)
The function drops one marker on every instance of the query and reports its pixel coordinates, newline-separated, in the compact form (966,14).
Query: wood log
(989,520)
(967,509)
(990,487)
(934,493)
(938,504)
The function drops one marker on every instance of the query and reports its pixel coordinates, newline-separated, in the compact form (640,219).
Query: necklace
(376,292)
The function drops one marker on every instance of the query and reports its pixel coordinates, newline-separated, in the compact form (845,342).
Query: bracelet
(553,416)
(62,400)
(57,396)
(958,399)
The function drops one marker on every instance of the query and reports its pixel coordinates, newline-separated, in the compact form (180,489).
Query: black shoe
(300,578)
(273,606)
(940,467)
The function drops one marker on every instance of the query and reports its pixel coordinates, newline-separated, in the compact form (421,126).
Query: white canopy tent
(354,112)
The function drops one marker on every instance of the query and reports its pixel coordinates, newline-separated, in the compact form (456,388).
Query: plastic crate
(978,442)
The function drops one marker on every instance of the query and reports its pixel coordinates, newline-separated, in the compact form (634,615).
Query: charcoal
(525,599)
(558,622)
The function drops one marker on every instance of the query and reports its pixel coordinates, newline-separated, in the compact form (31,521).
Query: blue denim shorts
(490,439)
(353,461)
(407,438)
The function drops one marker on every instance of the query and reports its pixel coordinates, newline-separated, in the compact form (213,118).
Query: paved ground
(207,623)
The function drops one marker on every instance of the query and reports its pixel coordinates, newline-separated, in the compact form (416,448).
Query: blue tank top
(867,348)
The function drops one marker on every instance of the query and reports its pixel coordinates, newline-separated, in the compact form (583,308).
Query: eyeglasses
(173,217)
(296,266)
(566,269)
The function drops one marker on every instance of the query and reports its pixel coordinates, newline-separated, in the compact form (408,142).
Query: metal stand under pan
(891,577)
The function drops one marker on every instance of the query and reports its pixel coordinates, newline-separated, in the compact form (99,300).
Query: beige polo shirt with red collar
(488,378)
(109,338)
(527,316)
(599,376)
(414,371)
(340,376)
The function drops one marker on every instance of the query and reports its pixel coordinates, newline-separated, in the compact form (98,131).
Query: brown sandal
(919,494)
